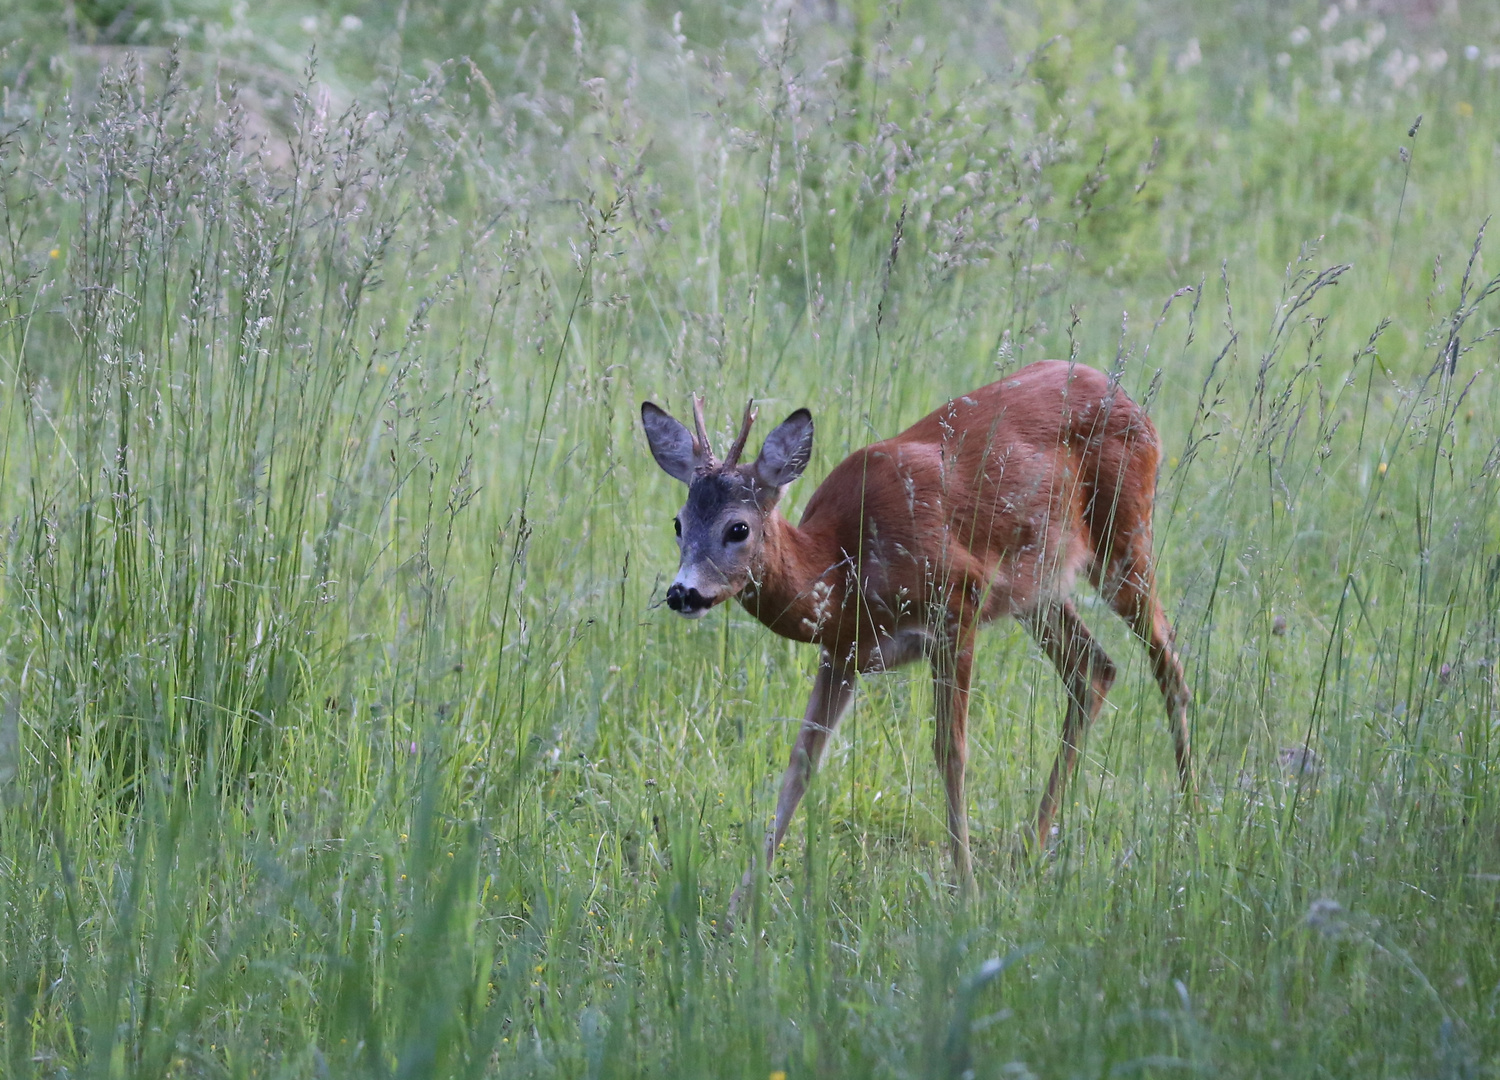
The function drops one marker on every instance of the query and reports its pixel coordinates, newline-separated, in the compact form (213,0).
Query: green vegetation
(342,731)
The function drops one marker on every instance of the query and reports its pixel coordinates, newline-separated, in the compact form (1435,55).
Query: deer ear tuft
(787,451)
(671,444)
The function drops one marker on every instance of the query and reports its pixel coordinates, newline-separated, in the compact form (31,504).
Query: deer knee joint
(1102,671)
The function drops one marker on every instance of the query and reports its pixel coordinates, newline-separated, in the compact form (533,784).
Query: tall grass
(341,732)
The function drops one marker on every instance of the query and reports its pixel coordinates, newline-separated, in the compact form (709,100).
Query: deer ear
(671,445)
(787,451)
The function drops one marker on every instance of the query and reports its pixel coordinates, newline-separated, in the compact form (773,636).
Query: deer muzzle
(687,601)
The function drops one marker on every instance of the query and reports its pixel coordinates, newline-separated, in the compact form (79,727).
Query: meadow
(344,730)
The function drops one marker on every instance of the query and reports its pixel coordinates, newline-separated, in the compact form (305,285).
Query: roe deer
(989,506)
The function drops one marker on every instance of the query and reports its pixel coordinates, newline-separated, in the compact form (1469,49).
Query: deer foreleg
(951,664)
(832,691)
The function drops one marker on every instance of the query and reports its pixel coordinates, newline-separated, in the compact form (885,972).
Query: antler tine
(704,451)
(738,446)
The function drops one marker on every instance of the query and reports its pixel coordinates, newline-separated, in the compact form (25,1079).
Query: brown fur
(988,507)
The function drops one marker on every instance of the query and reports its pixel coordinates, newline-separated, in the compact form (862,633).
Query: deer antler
(736,448)
(701,448)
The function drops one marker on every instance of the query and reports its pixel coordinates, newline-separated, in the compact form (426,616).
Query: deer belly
(892,650)
(1035,576)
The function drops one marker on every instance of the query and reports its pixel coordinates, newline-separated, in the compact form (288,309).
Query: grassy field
(343,730)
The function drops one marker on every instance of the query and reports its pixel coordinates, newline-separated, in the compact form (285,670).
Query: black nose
(680,599)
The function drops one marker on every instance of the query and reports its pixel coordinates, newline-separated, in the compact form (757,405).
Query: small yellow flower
(538,968)
(778,1075)
(1381,469)
(1465,109)
(56,253)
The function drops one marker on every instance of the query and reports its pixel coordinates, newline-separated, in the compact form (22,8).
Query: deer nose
(682,599)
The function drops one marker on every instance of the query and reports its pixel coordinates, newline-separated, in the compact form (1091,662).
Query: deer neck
(796,591)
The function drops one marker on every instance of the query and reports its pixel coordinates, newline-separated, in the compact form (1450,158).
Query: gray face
(721,529)
(720,534)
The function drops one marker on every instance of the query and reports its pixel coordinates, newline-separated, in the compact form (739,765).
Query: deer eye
(677,526)
(736,533)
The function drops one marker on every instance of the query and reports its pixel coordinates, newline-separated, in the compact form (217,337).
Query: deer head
(721,529)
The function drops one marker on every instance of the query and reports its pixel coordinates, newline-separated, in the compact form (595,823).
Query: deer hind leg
(1130,588)
(952,664)
(1087,674)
